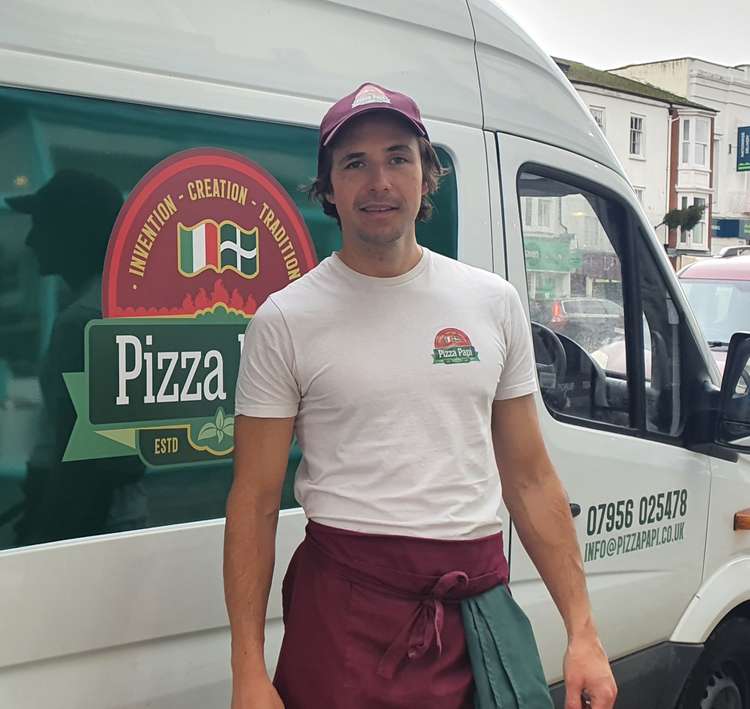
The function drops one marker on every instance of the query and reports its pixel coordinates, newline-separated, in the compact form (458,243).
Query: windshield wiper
(717,343)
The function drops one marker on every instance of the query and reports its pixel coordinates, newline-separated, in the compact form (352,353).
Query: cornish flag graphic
(218,247)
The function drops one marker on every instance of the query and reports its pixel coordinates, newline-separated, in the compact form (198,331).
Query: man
(398,481)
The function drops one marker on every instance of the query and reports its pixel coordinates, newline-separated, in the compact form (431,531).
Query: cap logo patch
(369,94)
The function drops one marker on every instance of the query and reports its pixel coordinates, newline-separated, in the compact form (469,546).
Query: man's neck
(381,261)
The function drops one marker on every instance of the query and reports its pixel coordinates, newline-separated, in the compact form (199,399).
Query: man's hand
(260,694)
(587,673)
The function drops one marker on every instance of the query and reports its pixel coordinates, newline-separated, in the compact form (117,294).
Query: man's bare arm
(260,461)
(539,507)
(540,511)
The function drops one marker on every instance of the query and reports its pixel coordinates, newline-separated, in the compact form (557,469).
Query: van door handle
(575,509)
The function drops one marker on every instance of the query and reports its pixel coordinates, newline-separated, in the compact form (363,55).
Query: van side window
(586,268)
(51,271)
(575,288)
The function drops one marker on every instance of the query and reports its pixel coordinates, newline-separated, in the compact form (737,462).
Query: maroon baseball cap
(369,97)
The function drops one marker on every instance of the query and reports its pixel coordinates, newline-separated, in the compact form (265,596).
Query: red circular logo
(451,337)
(202,228)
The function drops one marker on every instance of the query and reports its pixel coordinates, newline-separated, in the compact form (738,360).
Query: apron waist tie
(424,628)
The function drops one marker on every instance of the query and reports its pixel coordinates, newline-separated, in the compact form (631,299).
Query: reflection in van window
(575,289)
(68,164)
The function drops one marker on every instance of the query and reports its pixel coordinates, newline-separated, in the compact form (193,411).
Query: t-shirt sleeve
(266,382)
(518,377)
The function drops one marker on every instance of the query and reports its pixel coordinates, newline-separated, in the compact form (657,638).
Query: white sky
(609,33)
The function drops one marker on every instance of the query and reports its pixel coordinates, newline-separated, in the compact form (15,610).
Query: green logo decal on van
(203,239)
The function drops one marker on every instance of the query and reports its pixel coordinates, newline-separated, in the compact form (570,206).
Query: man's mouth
(377,208)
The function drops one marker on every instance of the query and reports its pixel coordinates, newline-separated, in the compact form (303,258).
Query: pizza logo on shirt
(453,346)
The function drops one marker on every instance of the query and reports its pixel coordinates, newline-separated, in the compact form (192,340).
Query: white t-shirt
(391,381)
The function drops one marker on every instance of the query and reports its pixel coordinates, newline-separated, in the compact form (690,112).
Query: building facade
(727,91)
(635,125)
(644,125)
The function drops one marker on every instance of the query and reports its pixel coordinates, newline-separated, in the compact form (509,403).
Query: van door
(614,353)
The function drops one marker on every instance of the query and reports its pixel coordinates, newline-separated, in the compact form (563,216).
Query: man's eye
(399,160)
(354,164)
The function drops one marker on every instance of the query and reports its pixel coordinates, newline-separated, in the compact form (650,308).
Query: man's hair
(432,173)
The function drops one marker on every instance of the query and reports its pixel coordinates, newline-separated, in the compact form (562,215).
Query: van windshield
(721,307)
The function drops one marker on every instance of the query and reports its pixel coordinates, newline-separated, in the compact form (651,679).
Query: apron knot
(424,627)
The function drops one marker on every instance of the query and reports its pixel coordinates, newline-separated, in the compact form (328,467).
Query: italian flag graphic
(218,247)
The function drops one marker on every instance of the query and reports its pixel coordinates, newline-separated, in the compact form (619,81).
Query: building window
(696,238)
(537,213)
(545,210)
(598,114)
(528,212)
(694,142)
(699,230)
(636,136)
(686,141)
(639,192)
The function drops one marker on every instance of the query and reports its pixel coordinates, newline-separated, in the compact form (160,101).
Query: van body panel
(465,147)
(727,560)
(496,204)
(71,76)
(256,45)
(156,631)
(163,582)
(447,17)
(525,93)
(730,493)
(187,670)
(723,591)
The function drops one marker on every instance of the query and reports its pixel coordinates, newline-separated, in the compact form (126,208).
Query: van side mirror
(733,424)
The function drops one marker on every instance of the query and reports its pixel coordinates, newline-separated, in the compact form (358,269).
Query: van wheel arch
(721,677)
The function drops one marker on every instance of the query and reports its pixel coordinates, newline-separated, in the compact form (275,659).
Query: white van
(117,371)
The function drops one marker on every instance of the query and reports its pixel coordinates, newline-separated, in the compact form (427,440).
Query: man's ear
(425,188)
(329,196)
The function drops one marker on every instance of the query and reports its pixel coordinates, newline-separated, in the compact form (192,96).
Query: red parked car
(719,293)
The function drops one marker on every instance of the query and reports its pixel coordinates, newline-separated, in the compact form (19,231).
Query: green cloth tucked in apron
(504,658)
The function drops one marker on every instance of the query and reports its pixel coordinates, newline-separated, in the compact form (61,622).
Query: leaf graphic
(229,428)
(207,431)
(220,419)
(220,435)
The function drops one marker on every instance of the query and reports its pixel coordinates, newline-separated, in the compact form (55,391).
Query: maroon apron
(373,621)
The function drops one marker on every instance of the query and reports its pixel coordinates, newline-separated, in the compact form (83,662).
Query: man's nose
(379,178)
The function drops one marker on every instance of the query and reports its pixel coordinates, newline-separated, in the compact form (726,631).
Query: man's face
(41,241)
(376,178)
